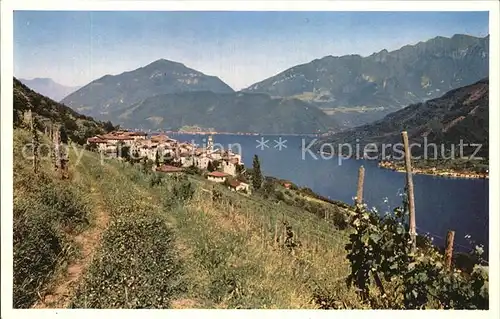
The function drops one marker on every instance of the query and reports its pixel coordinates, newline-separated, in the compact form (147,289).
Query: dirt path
(88,241)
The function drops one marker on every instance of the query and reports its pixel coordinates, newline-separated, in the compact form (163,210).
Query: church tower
(210,143)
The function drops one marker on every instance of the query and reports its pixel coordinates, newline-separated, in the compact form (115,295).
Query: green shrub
(216,195)
(193,170)
(340,221)
(37,247)
(183,191)
(180,193)
(156,179)
(70,210)
(135,267)
(300,202)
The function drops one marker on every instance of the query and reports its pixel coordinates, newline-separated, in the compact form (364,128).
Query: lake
(441,204)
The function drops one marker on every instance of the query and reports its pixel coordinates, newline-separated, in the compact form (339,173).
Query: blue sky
(76,47)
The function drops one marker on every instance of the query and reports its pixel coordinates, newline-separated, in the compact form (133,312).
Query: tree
(216,164)
(267,188)
(63,135)
(119,147)
(210,167)
(147,165)
(17,119)
(257,174)
(157,158)
(239,168)
(193,170)
(108,127)
(126,153)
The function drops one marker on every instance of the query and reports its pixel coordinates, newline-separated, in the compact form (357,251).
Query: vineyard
(380,253)
(115,235)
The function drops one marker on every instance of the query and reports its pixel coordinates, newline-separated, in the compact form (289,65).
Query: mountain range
(459,115)
(113,92)
(226,112)
(49,88)
(358,89)
(328,94)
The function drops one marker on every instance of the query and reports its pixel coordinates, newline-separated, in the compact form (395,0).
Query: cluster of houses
(182,155)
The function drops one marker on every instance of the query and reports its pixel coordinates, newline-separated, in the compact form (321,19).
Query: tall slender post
(57,151)
(448,254)
(52,149)
(34,141)
(409,184)
(361,181)
(284,233)
(276,243)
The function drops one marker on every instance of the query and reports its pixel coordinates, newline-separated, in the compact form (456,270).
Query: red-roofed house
(113,139)
(134,135)
(219,177)
(99,142)
(236,185)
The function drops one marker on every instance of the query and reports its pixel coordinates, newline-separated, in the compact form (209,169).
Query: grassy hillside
(46,111)
(115,235)
(123,238)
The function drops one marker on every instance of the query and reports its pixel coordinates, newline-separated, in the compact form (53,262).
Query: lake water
(441,204)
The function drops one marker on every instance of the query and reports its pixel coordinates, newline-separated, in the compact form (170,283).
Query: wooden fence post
(34,141)
(57,148)
(284,233)
(409,183)
(361,181)
(276,243)
(448,254)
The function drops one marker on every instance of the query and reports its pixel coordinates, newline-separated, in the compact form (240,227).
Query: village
(170,156)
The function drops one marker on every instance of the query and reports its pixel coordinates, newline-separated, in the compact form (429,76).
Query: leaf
(375,237)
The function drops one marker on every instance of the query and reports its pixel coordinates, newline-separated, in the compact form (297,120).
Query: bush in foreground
(135,268)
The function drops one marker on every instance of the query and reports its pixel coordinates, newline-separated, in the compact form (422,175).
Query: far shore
(441,172)
(432,171)
(238,133)
(229,133)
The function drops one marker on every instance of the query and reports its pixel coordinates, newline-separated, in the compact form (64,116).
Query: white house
(101,144)
(202,162)
(219,177)
(236,185)
(229,166)
(216,155)
(187,160)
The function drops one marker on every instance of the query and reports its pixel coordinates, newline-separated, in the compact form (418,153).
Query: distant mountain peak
(165,62)
(43,79)
(48,87)
(383,81)
(162,76)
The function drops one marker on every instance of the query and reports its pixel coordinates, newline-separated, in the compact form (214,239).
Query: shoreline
(433,171)
(232,133)
(430,171)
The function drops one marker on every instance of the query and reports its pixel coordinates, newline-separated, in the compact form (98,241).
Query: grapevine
(379,252)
